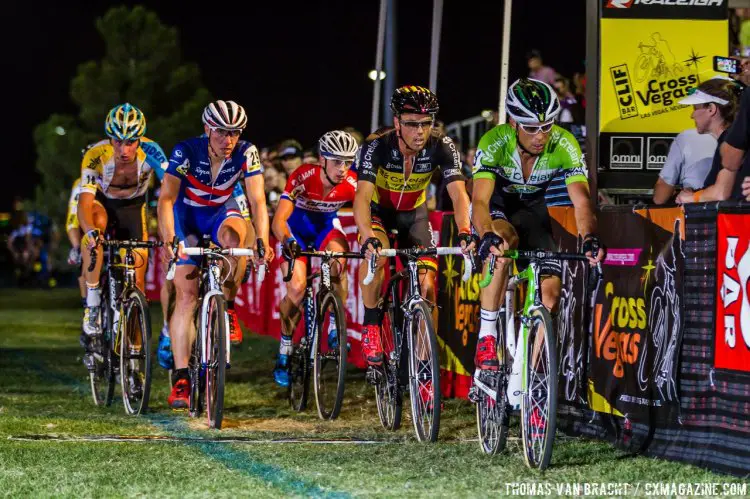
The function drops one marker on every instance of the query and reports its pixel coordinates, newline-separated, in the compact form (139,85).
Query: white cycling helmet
(227,115)
(338,145)
(531,101)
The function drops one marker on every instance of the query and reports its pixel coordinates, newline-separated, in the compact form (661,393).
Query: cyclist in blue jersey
(196,200)
(167,292)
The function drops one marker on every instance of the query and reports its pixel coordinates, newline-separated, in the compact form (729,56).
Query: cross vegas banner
(653,54)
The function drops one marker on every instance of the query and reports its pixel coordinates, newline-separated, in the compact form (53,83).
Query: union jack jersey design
(189,162)
(305,189)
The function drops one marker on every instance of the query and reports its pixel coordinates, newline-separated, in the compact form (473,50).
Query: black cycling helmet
(414,99)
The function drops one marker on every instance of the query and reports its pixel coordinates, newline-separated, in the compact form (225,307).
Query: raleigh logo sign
(665,9)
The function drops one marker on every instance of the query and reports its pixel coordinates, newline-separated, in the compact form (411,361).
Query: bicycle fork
(214,287)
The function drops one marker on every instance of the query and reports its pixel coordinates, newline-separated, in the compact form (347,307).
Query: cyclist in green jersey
(513,166)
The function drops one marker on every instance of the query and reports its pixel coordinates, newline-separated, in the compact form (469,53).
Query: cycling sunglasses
(535,129)
(226,133)
(417,124)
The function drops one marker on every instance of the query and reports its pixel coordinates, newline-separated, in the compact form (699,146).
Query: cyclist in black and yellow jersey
(394,168)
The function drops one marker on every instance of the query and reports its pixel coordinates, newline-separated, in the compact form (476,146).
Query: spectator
(290,153)
(310,157)
(537,69)
(572,111)
(469,156)
(579,85)
(715,103)
(267,157)
(687,165)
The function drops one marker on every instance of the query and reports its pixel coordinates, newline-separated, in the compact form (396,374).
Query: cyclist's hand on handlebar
(491,243)
(371,248)
(291,248)
(468,241)
(594,249)
(91,239)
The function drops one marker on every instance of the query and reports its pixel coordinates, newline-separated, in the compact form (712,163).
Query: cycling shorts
(191,223)
(414,229)
(534,229)
(314,232)
(126,218)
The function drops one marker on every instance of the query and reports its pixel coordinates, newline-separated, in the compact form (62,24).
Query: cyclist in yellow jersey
(394,168)
(115,176)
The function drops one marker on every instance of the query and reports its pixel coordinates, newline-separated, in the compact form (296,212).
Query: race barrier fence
(658,363)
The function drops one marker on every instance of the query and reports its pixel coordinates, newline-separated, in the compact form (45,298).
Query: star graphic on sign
(449,274)
(648,268)
(694,59)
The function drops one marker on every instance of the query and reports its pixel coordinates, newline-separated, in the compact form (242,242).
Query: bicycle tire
(327,409)
(424,382)
(299,368)
(388,392)
(135,327)
(197,379)
(216,360)
(538,437)
(492,415)
(100,379)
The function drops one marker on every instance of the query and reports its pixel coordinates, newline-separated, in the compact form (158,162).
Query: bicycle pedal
(474,396)
(373,375)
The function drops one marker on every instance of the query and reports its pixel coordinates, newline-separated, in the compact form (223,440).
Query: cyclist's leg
(334,239)
(131,223)
(491,297)
(91,325)
(371,346)
(182,329)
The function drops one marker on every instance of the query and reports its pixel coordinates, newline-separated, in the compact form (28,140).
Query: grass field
(54,442)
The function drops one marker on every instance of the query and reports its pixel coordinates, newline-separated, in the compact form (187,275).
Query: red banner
(732,340)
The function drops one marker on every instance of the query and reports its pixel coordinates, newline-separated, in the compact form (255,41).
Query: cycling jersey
(98,168)
(497,158)
(204,204)
(190,163)
(71,219)
(380,162)
(313,223)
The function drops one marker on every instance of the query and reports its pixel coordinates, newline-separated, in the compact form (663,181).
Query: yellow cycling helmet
(125,122)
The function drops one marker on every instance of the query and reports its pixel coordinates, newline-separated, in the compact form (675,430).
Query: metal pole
(390,61)
(592,94)
(504,61)
(378,66)
(437,21)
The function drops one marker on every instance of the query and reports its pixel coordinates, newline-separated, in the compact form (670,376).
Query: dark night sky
(299,68)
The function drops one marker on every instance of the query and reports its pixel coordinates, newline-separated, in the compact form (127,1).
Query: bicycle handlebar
(326,255)
(126,243)
(533,255)
(211,252)
(414,253)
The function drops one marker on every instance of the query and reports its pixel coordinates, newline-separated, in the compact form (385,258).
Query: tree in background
(142,65)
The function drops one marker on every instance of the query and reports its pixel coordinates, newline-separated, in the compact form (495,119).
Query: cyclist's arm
(584,209)
(283,212)
(480,204)
(361,209)
(456,185)
(457,192)
(85,211)
(170,189)
(72,226)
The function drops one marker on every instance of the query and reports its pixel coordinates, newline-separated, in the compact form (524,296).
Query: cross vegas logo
(626,4)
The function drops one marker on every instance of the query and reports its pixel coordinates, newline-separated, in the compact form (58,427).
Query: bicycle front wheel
(135,352)
(216,327)
(539,401)
(329,361)
(424,374)
(101,374)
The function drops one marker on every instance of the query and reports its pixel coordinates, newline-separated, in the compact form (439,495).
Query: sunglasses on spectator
(417,124)
(535,129)
(227,133)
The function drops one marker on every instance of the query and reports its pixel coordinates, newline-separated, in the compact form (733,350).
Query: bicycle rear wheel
(216,358)
(492,413)
(101,375)
(135,352)
(197,372)
(424,374)
(329,364)
(539,400)
(388,395)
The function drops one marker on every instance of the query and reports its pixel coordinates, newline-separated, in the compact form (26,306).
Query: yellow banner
(648,65)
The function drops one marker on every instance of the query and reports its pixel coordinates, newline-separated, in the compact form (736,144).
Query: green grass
(44,393)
